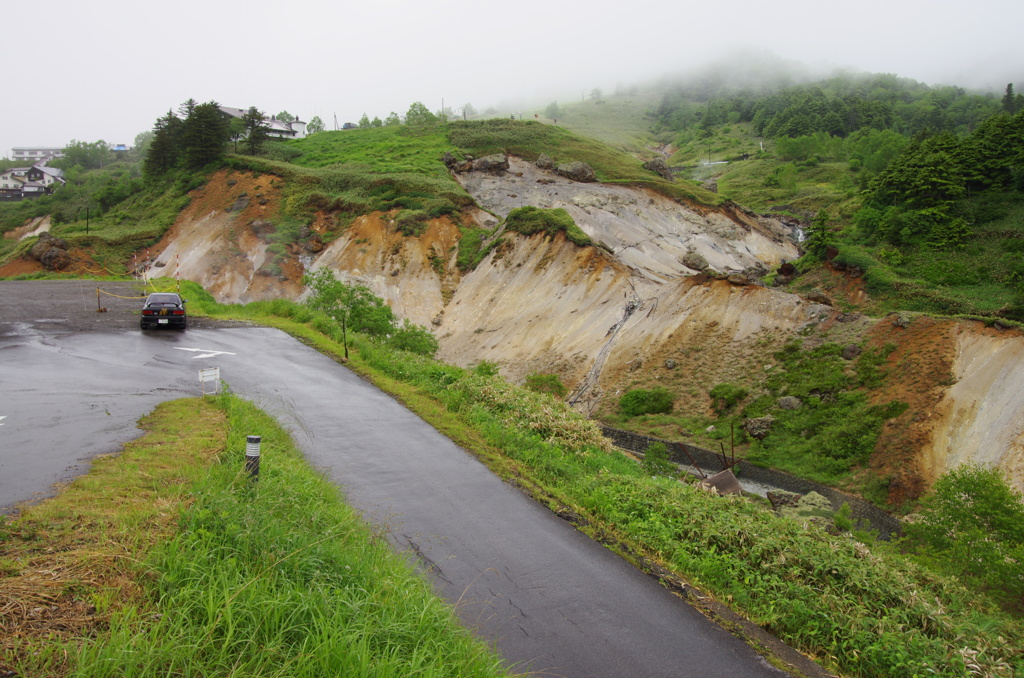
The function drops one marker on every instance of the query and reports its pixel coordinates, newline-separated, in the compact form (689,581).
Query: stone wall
(865,515)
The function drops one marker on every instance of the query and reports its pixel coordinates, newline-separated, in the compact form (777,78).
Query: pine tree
(255,130)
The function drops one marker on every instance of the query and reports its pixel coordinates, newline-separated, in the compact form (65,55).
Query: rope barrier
(111,294)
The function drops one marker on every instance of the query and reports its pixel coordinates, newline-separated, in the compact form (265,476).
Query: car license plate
(162,321)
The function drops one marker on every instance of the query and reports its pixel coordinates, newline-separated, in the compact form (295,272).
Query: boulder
(902,320)
(760,427)
(577,171)
(449,160)
(491,163)
(545,162)
(51,252)
(694,261)
(661,167)
(55,259)
(818,297)
(780,498)
(789,403)
(851,351)
(314,243)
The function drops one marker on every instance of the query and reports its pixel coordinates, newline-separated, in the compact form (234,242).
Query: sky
(108,69)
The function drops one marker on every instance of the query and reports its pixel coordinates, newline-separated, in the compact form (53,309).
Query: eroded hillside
(624,315)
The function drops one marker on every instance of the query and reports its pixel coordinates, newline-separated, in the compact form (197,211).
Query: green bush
(413,338)
(656,462)
(972,525)
(546,383)
(641,401)
(724,397)
(529,220)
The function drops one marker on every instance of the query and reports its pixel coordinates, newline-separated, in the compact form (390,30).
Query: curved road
(73,383)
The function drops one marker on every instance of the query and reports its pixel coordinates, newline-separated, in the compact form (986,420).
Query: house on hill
(276,129)
(36,154)
(36,181)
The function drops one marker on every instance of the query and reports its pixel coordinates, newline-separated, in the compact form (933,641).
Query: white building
(33,154)
(277,129)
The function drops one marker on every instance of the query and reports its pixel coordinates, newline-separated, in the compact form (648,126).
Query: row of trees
(838,106)
(918,197)
(199,134)
(418,115)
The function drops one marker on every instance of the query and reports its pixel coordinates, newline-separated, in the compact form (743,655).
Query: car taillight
(148,312)
(179,312)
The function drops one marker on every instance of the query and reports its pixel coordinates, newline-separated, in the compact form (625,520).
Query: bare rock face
(577,171)
(491,163)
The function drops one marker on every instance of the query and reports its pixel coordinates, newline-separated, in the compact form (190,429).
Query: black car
(163,309)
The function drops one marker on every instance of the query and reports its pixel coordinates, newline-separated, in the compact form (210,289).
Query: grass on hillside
(166,560)
(859,611)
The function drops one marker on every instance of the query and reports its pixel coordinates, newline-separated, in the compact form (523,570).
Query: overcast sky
(107,69)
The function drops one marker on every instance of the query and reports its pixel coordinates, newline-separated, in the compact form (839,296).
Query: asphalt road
(73,382)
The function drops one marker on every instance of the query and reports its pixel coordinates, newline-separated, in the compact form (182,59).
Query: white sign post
(210,374)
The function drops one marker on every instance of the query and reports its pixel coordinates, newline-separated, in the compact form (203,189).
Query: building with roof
(18,183)
(34,154)
(276,129)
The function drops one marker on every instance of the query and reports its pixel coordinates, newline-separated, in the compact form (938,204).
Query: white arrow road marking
(206,353)
(3,417)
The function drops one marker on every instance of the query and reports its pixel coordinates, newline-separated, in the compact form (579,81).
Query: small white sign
(210,374)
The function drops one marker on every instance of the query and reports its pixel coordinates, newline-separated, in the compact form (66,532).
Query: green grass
(279,578)
(862,612)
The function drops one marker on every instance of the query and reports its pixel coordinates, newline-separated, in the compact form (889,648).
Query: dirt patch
(20,266)
(920,371)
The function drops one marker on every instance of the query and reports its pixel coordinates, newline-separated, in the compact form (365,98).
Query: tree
(165,149)
(1009,100)
(392,120)
(595,94)
(419,115)
(364,122)
(86,155)
(376,122)
(285,116)
(468,111)
(205,133)
(255,130)
(973,524)
(819,236)
(315,126)
(553,111)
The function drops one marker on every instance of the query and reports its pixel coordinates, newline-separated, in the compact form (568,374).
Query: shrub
(656,462)
(529,220)
(640,401)
(725,396)
(972,524)
(485,368)
(546,383)
(414,338)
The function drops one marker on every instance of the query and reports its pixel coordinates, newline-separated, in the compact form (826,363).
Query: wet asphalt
(549,599)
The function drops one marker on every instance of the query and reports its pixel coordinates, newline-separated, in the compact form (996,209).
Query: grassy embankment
(166,560)
(861,611)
